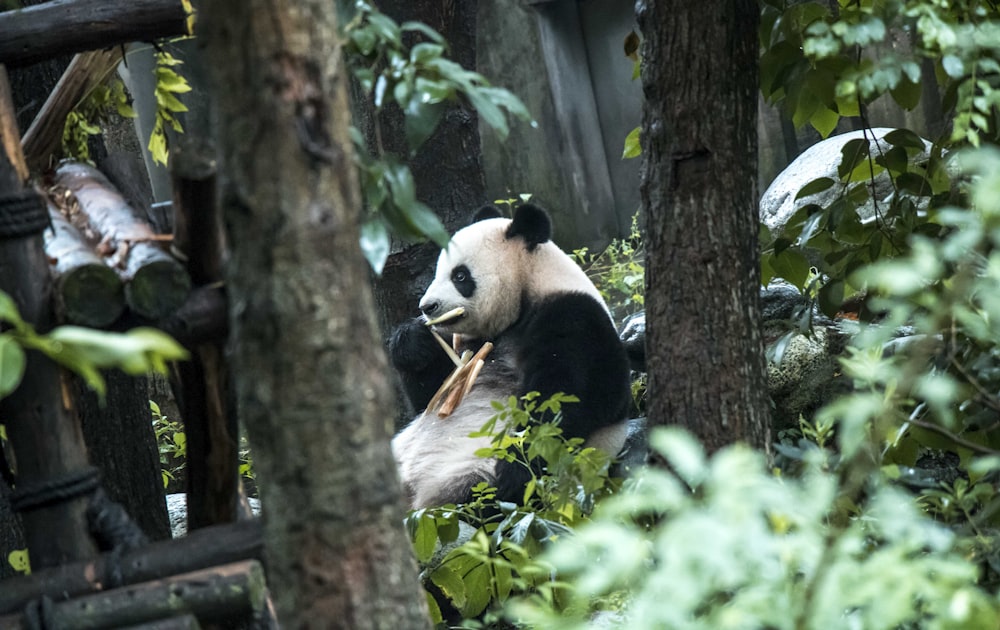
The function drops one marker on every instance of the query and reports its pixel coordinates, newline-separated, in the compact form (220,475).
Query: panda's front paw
(412,346)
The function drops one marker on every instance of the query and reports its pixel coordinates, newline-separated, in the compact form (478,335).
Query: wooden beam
(42,142)
(198,550)
(217,594)
(63,27)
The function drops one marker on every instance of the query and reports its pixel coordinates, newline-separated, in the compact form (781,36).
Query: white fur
(434,454)
(505,272)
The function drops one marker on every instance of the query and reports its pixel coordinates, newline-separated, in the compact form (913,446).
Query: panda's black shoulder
(569,319)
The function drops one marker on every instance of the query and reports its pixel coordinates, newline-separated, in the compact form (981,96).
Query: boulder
(778,203)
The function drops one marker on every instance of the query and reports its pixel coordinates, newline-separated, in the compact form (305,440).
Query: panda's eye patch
(461,277)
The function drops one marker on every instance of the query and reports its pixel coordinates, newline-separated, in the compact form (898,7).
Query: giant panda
(552,332)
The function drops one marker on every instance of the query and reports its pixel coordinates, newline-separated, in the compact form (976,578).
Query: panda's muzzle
(432,319)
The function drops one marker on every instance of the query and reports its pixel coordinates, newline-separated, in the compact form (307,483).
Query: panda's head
(495,267)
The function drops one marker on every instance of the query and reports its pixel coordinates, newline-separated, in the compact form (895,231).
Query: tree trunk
(308,365)
(699,138)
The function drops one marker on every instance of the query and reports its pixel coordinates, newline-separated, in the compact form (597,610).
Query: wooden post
(202,384)
(41,422)
(43,139)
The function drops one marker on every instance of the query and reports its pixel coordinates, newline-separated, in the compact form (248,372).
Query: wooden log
(202,384)
(216,594)
(87,291)
(41,422)
(64,27)
(181,622)
(204,548)
(42,142)
(156,284)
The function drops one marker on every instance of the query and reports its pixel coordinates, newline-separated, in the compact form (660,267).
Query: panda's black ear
(532,224)
(486,212)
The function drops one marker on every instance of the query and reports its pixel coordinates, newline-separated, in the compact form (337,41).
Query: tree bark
(704,347)
(308,365)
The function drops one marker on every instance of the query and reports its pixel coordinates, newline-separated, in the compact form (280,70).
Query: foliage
(618,272)
(723,543)
(87,117)
(480,554)
(421,82)
(171,441)
(820,66)
(168,85)
(922,261)
(82,350)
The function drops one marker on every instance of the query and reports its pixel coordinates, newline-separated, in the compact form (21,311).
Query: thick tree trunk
(308,366)
(704,348)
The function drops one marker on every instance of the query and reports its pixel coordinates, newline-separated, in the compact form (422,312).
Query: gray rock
(177,511)
(778,203)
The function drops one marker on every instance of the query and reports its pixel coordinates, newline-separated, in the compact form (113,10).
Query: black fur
(532,224)
(419,360)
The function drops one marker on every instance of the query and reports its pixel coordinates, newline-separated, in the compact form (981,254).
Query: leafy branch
(82,350)
(422,83)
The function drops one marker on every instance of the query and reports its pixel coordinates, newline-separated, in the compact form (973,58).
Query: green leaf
(375,244)
(420,121)
(450,583)
(853,153)
(824,121)
(632,146)
(11,364)
(831,297)
(9,312)
(425,51)
(420,27)
(952,66)
(905,138)
(817,185)
(906,94)
(915,184)
(792,266)
(425,538)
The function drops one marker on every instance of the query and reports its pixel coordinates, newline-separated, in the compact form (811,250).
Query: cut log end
(158,289)
(91,295)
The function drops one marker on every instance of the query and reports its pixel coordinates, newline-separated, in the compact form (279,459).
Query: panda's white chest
(436,455)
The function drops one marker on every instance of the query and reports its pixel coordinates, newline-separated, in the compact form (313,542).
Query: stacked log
(156,284)
(88,292)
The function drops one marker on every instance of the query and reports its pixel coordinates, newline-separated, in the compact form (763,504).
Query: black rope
(115,532)
(31,496)
(38,613)
(22,213)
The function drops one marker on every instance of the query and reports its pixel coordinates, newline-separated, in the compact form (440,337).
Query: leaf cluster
(169,84)
(171,442)
(87,117)
(83,350)
(478,555)
(422,83)
(618,272)
(722,542)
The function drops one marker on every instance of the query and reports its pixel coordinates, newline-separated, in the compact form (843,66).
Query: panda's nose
(430,309)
